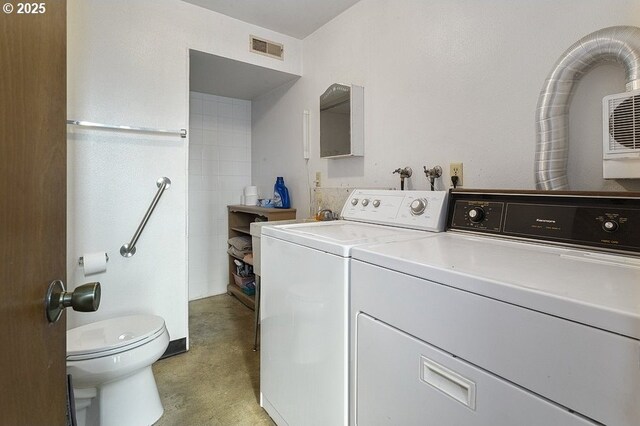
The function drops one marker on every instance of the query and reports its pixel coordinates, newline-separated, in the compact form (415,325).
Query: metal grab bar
(129,249)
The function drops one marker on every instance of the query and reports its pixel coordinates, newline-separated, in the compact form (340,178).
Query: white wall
(219,169)
(127,64)
(445,81)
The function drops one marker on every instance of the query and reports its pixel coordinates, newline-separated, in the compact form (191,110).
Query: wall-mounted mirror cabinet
(342,121)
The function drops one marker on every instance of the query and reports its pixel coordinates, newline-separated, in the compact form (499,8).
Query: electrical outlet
(455,169)
(318,179)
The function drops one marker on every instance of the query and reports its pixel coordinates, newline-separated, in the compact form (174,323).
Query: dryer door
(401,380)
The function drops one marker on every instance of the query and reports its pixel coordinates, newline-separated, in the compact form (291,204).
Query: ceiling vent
(266,47)
(621,141)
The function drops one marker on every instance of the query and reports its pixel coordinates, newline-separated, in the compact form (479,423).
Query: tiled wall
(219,169)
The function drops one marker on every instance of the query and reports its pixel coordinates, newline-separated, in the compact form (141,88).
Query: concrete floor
(217,381)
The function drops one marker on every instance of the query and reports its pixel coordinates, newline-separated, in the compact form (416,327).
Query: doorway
(220,128)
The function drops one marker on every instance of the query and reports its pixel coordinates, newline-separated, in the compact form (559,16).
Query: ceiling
(230,78)
(295,18)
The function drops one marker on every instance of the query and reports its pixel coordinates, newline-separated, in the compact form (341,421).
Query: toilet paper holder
(81,259)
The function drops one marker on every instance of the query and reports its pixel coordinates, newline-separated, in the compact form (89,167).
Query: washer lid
(111,334)
(339,236)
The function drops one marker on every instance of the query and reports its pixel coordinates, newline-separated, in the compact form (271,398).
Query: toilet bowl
(110,364)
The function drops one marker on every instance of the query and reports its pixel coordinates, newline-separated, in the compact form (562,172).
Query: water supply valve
(432,174)
(404,173)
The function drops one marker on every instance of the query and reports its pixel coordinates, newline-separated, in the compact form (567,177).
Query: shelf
(239,222)
(242,229)
(243,259)
(266,213)
(235,257)
(248,301)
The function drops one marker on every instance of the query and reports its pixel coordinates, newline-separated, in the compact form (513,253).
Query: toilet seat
(112,336)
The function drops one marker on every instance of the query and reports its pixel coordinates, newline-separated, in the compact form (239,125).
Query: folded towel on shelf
(242,244)
(238,254)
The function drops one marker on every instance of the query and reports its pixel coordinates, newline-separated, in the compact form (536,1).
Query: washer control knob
(476,214)
(376,203)
(610,225)
(365,202)
(418,206)
(354,201)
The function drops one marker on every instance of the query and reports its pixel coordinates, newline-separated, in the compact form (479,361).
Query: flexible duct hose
(619,44)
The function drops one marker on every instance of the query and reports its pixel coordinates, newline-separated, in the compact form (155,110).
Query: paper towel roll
(94,263)
(250,200)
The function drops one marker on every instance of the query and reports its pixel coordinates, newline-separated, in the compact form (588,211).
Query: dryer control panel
(423,210)
(606,220)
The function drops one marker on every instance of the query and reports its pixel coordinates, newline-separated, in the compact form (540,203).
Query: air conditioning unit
(621,136)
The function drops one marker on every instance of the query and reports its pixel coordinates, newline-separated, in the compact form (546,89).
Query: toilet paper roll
(250,200)
(250,190)
(94,263)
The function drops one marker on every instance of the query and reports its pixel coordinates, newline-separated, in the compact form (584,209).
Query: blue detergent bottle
(281,194)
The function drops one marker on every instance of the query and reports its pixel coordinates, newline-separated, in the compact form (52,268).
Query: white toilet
(110,363)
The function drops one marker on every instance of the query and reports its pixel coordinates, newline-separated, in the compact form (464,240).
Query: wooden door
(32,212)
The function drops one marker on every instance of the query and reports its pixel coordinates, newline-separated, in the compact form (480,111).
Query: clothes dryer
(525,312)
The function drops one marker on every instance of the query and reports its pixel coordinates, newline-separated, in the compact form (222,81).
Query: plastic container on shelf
(249,289)
(243,281)
(281,194)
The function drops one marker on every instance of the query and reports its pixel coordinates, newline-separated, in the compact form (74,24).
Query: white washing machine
(305,300)
(525,312)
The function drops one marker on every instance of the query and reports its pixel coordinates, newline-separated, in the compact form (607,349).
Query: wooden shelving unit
(239,219)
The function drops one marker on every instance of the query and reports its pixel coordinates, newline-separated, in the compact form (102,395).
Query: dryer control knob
(418,206)
(365,202)
(354,202)
(476,214)
(376,203)
(610,225)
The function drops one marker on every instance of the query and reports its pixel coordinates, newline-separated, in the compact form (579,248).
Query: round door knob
(376,203)
(418,206)
(476,214)
(85,298)
(610,225)
(354,202)
(365,202)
